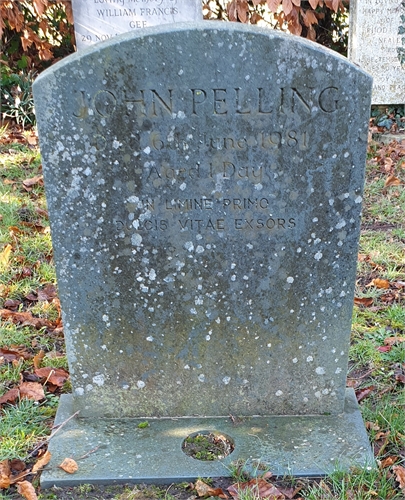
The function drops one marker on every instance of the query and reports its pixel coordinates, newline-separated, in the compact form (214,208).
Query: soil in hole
(207,446)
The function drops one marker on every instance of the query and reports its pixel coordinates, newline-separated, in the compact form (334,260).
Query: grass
(21,427)
(377,363)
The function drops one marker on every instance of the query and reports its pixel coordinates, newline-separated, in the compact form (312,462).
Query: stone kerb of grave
(204,185)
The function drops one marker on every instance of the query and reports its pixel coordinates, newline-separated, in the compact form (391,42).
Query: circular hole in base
(208,445)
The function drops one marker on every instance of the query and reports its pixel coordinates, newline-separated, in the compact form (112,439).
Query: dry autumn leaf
(10,397)
(31,390)
(38,359)
(273,5)
(387,462)
(24,318)
(204,490)
(5,474)
(38,179)
(372,426)
(394,340)
(400,475)
(26,490)
(55,376)
(48,293)
(259,487)
(392,181)
(363,301)
(44,460)
(363,393)
(69,466)
(5,255)
(384,348)
(379,283)
(13,354)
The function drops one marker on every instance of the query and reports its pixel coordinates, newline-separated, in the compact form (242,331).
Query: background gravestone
(98,20)
(205,228)
(377,44)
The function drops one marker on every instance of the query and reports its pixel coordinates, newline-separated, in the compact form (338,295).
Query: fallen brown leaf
(17,465)
(14,354)
(47,293)
(11,304)
(363,393)
(259,487)
(291,492)
(10,397)
(44,460)
(25,318)
(26,490)
(387,462)
(384,348)
(38,358)
(69,466)
(55,376)
(399,475)
(5,474)
(38,179)
(379,283)
(392,181)
(382,435)
(205,490)
(372,426)
(363,301)
(393,340)
(5,255)
(31,390)
(400,377)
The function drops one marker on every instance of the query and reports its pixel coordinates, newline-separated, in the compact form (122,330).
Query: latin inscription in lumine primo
(217,214)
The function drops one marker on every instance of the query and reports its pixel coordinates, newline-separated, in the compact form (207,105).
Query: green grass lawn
(32,346)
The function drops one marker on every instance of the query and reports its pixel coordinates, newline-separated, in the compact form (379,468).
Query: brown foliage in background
(35,31)
(299,17)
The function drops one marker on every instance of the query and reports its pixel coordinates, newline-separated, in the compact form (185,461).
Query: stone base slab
(110,451)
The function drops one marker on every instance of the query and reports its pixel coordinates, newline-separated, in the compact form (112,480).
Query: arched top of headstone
(208,34)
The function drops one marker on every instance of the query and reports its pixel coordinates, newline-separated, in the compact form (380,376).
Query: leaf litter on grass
(30,314)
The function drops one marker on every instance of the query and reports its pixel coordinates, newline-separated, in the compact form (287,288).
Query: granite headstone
(377,44)
(204,185)
(99,20)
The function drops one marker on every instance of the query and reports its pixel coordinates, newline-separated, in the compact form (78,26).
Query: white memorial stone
(377,45)
(99,20)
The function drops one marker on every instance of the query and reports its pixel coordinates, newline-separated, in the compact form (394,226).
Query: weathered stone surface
(98,20)
(377,44)
(205,206)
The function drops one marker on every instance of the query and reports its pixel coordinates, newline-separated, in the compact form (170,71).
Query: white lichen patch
(99,379)
(320,370)
(136,240)
(226,380)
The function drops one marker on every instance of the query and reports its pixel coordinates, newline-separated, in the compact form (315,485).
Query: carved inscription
(98,20)
(220,102)
(223,215)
